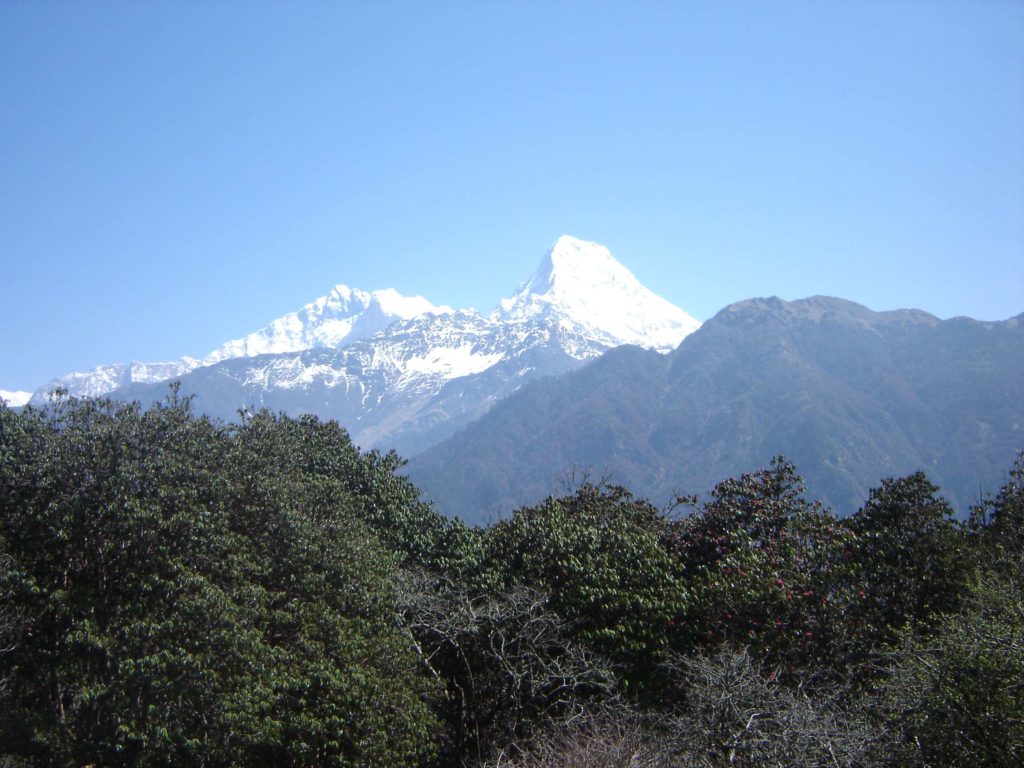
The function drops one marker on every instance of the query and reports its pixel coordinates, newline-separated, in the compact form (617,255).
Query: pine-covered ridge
(181,590)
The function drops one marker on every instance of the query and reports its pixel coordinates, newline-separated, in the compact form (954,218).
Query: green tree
(197,594)
(321,455)
(767,569)
(599,555)
(955,696)
(910,558)
(998,522)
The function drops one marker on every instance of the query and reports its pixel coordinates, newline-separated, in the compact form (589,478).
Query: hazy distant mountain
(343,315)
(418,379)
(849,394)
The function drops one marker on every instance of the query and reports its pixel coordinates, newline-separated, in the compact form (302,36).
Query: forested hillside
(182,591)
(847,393)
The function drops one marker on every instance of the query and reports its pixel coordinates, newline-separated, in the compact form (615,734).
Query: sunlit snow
(580,301)
(14,399)
(452,362)
(344,315)
(591,292)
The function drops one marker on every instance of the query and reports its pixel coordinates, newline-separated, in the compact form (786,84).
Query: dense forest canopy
(180,591)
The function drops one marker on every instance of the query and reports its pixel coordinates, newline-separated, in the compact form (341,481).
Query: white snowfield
(343,315)
(452,362)
(583,283)
(580,297)
(16,398)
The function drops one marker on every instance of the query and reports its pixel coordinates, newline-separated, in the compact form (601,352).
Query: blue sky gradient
(178,174)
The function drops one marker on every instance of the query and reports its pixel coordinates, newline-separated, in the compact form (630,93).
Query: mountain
(14,399)
(343,315)
(416,380)
(582,284)
(850,395)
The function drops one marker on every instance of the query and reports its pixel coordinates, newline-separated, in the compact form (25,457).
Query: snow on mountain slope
(104,379)
(400,372)
(14,399)
(587,289)
(407,387)
(417,380)
(344,315)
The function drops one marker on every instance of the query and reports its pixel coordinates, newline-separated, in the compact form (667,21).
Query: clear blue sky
(173,175)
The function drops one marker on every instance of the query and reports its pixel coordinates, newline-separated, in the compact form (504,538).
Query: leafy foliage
(767,569)
(198,594)
(909,557)
(177,591)
(598,554)
(956,696)
(999,521)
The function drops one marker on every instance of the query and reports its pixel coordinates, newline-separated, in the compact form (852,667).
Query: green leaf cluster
(192,593)
(598,553)
(768,569)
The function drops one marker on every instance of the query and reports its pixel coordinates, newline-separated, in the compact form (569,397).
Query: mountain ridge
(849,394)
(328,321)
(413,382)
(345,315)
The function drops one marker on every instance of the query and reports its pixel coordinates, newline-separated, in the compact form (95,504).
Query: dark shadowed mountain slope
(849,394)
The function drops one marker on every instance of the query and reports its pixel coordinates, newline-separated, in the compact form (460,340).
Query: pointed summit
(586,289)
(571,265)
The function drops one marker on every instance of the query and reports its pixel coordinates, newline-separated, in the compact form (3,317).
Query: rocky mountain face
(343,315)
(409,382)
(850,395)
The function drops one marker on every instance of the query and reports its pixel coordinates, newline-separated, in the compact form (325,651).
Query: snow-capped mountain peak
(343,315)
(571,266)
(583,285)
(398,371)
